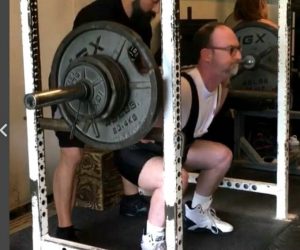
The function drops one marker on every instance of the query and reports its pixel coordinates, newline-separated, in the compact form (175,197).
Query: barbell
(106,84)
(108,87)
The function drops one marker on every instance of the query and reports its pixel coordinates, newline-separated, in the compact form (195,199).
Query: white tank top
(208,102)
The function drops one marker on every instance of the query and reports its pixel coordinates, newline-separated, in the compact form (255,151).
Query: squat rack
(172,138)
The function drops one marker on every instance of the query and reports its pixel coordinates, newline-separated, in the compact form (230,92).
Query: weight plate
(259,44)
(85,70)
(126,112)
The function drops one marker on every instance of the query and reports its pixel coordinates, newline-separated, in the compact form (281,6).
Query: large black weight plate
(126,49)
(259,44)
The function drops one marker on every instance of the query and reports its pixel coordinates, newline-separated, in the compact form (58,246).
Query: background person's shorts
(64,140)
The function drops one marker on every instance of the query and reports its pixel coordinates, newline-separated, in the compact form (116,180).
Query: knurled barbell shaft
(56,96)
(252,94)
(155,133)
(252,99)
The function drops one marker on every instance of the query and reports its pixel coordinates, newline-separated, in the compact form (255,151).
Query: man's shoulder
(190,72)
(98,4)
(187,68)
(97,10)
(186,71)
(97,7)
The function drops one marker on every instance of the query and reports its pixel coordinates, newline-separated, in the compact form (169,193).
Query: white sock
(152,229)
(204,201)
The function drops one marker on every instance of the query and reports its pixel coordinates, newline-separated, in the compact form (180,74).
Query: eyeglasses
(231,49)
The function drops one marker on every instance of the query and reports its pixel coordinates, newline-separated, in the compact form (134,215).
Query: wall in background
(220,9)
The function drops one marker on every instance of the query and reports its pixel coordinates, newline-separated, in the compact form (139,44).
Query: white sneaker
(197,219)
(153,241)
(293,141)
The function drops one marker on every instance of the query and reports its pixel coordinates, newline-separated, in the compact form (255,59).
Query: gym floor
(252,214)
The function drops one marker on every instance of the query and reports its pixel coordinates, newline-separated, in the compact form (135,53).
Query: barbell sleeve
(54,124)
(55,96)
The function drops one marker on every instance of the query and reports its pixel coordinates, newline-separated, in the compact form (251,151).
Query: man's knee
(223,156)
(184,179)
(153,168)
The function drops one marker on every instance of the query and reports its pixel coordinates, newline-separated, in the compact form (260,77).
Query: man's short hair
(202,37)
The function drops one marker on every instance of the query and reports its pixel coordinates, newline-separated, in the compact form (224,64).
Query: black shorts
(131,160)
(64,140)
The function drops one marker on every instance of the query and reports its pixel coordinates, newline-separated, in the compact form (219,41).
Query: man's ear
(206,54)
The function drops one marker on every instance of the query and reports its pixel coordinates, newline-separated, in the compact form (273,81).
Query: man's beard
(140,20)
(234,70)
(138,15)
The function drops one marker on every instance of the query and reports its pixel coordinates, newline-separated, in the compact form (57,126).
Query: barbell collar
(56,96)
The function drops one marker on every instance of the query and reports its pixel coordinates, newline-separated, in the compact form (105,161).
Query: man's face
(145,9)
(226,51)
(149,5)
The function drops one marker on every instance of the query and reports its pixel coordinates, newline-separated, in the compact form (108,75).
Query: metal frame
(35,135)
(242,185)
(283,110)
(172,138)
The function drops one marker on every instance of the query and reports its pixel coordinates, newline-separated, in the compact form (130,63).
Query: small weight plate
(85,70)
